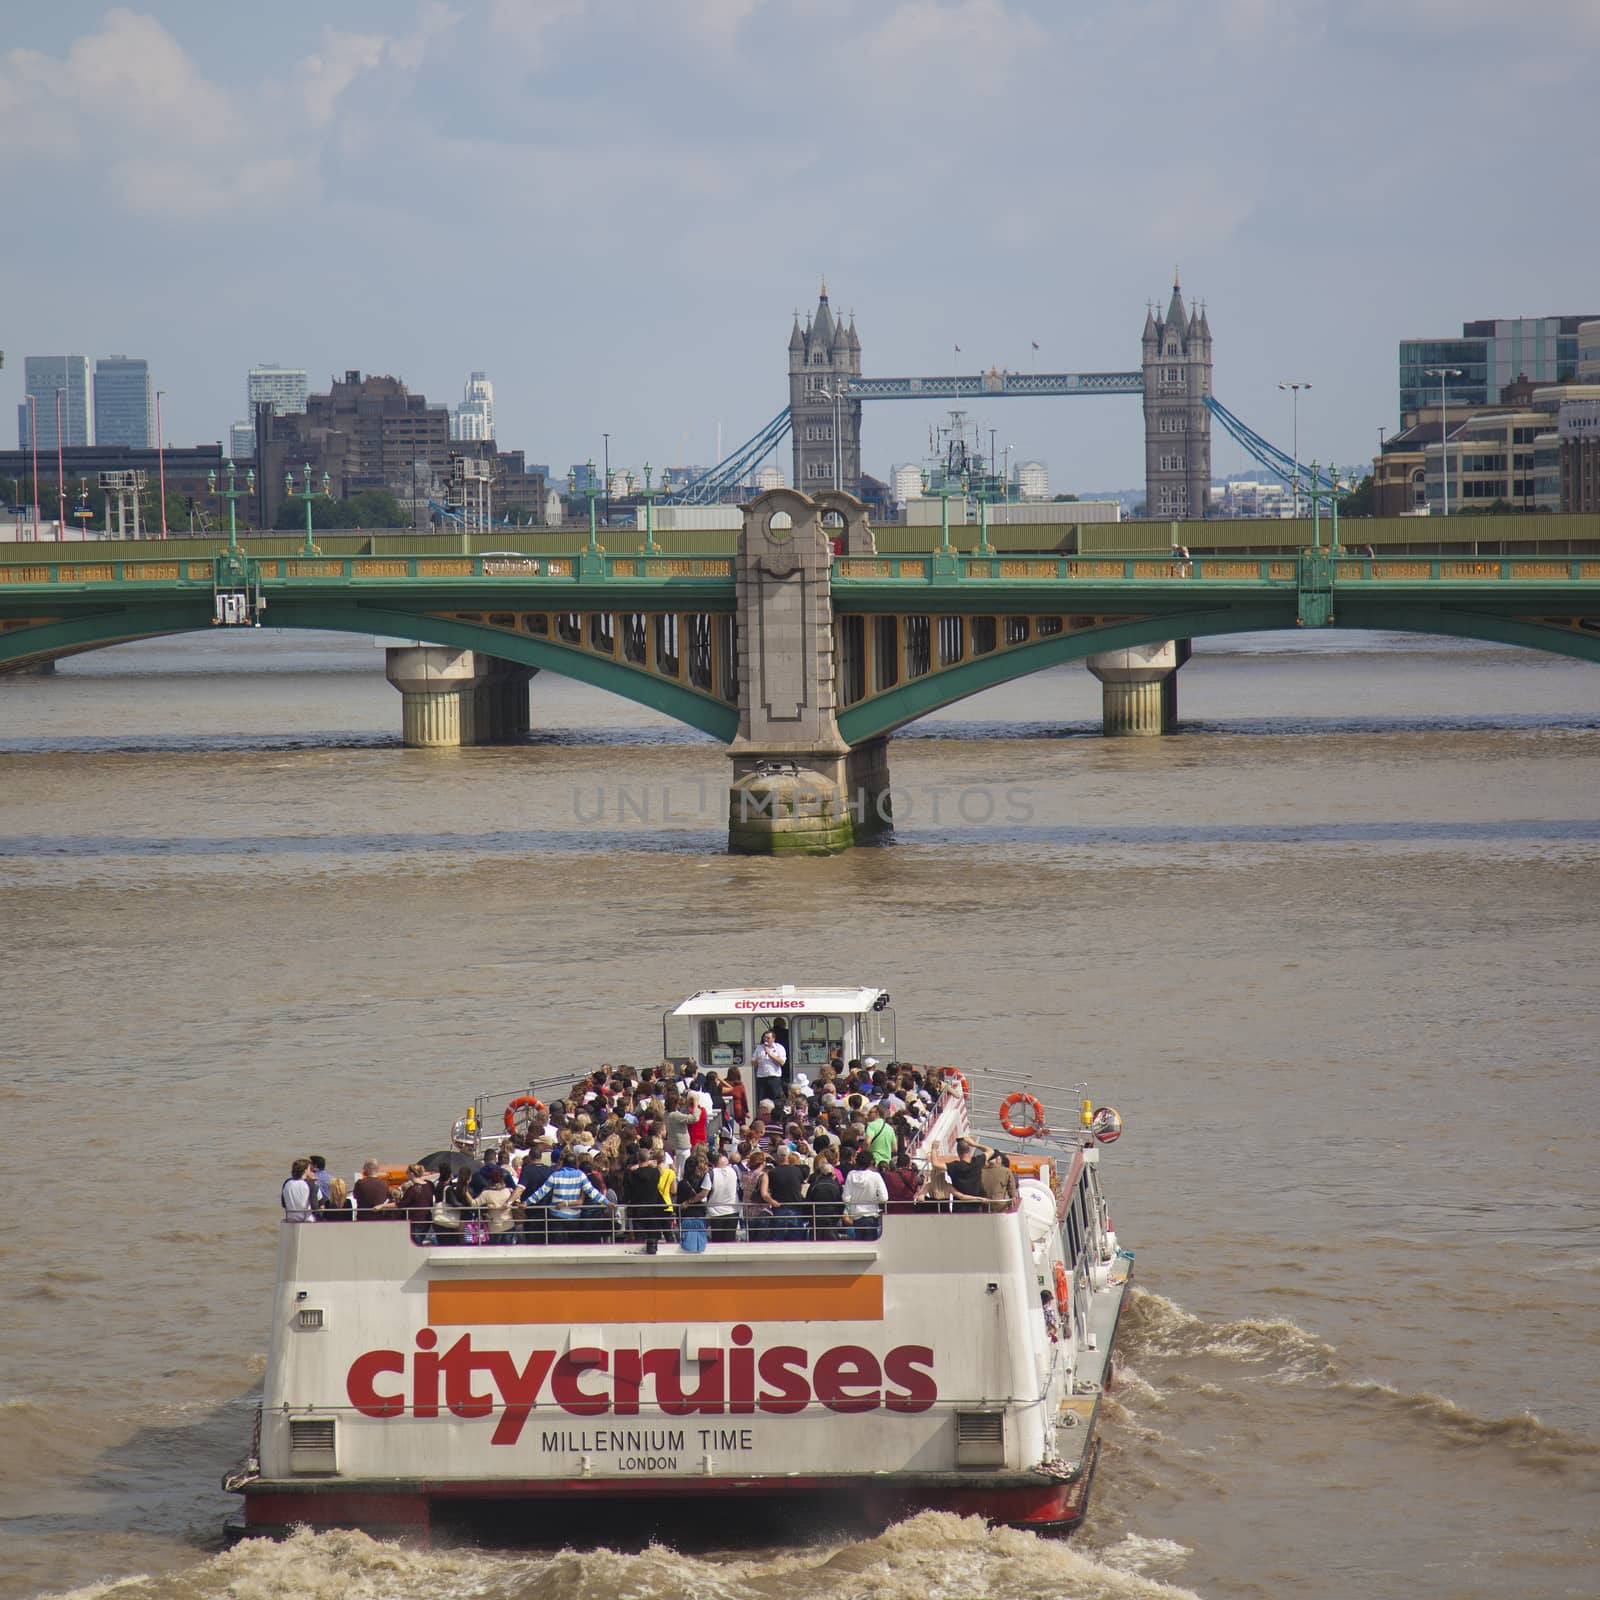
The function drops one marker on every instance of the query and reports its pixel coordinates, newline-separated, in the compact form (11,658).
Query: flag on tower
(958,349)
(1035,344)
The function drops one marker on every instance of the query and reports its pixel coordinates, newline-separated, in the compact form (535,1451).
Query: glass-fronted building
(124,403)
(1489,355)
(41,377)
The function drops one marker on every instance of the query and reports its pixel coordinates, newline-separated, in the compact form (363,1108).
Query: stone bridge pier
(797,786)
(1139,688)
(454,697)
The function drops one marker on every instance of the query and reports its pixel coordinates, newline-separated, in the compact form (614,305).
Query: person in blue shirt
(566,1189)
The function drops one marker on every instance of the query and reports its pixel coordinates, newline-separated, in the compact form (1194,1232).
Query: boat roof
(778,998)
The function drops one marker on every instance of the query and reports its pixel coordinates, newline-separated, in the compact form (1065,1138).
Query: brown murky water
(1330,952)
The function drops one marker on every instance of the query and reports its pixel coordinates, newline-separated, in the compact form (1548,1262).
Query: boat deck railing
(820,1222)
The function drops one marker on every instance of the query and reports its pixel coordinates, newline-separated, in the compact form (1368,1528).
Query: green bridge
(804,649)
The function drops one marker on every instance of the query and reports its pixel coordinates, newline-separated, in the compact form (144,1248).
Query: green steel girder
(104,626)
(883,713)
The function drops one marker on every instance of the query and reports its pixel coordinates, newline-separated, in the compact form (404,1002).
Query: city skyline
(1268,182)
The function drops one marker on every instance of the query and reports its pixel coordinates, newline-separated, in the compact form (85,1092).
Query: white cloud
(977,42)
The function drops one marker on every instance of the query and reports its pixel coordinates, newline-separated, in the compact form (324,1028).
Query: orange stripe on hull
(553,1302)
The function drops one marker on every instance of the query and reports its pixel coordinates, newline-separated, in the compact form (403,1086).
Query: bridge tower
(1177,426)
(822,355)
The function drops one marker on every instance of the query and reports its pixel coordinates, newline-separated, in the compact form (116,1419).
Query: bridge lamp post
(835,394)
(33,437)
(592,494)
(1441,373)
(161,461)
(1009,449)
(61,477)
(308,494)
(232,495)
(1296,387)
(650,496)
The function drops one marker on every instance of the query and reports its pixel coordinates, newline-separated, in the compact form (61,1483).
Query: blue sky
(613,206)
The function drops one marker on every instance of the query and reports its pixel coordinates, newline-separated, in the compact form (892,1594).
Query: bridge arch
(50,640)
(885,712)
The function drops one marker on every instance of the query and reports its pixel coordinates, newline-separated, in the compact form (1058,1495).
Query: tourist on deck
(317,1177)
(881,1137)
(531,1177)
(679,1120)
(638,1192)
(903,1183)
(966,1171)
(865,1197)
(495,1205)
(757,1197)
(825,1197)
(484,1176)
(372,1194)
(999,1184)
(720,1194)
(416,1201)
(786,1184)
(337,1208)
(296,1194)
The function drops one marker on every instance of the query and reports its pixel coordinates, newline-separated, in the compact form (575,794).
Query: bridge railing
(200,572)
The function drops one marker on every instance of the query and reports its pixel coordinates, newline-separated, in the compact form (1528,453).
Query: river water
(1330,951)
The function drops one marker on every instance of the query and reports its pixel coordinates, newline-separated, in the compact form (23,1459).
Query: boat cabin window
(815,1039)
(721,1042)
(877,1036)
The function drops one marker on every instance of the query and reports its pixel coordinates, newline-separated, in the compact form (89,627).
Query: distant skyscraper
(908,481)
(241,442)
(283,388)
(41,377)
(474,417)
(1033,481)
(124,403)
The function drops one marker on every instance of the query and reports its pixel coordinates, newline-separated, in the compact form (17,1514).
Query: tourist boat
(956,1362)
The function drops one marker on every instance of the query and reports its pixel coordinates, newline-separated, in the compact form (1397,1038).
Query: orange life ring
(966,1088)
(1010,1102)
(530,1100)
(1063,1290)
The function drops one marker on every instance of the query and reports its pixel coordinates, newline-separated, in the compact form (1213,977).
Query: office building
(1489,355)
(283,388)
(241,442)
(1033,481)
(41,377)
(365,433)
(473,419)
(124,402)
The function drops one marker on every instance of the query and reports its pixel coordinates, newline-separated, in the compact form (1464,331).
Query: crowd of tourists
(679,1153)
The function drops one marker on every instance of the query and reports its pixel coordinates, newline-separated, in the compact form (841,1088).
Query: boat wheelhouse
(953,1356)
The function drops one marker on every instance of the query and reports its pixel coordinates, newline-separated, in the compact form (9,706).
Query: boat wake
(933,1556)
(1172,1345)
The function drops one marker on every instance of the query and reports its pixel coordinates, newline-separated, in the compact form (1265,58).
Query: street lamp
(161,461)
(835,394)
(592,493)
(1296,387)
(1441,373)
(650,496)
(308,494)
(1009,449)
(607,438)
(61,477)
(33,435)
(232,495)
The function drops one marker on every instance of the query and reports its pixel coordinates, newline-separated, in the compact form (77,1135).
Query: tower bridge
(804,651)
(827,389)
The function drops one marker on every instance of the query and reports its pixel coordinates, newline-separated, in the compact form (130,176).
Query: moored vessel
(945,1352)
